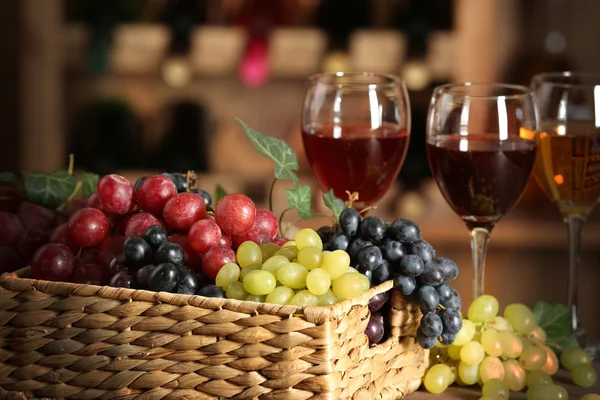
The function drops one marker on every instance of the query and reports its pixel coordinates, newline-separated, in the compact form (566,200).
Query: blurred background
(142,86)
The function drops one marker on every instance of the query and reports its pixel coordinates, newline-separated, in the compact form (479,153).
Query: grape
(308,237)
(169,253)
(259,283)
(412,265)
(393,251)
(500,324)
(382,273)
(327,299)
(72,206)
(432,274)
(350,269)
(204,235)
(172,177)
(520,317)
(142,274)
(372,227)
(304,298)
(163,278)
(256,234)
(267,220)
(428,298)
(117,264)
(88,227)
(9,199)
(465,334)
(422,249)
(438,378)
(212,291)
(491,367)
(338,241)
(495,387)
(356,246)
(256,298)
(375,328)
(452,321)
(491,342)
(536,377)
(468,374)
(335,263)
(425,341)
(93,201)
(454,302)
(280,295)
(454,352)
(34,216)
(367,273)
(349,221)
(574,356)
(248,253)
(10,228)
(190,258)
(268,250)
(184,210)
(318,281)
(483,308)
(235,213)
(445,291)
(123,278)
(53,262)
(138,223)
(204,194)
(584,375)
(137,252)
(405,231)
(154,192)
(405,284)
(30,241)
(280,241)
(364,280)
(272,264)
(514,375)
(552,363)
(378,301)
(290,244)
(449,268)
(310,257)
(138,183)
(228,274)
(347,286)
(472,353)
(324,232)
(511,344)
(245,271)
(591,396)
(539,334)
(533,357)
(155,235)
(180,181)
(110,248)
(116,194)
(236,291)
(547,391)
(447,338)
(431,325)
(225,240)
(10,260)
(370,257)
(187,282)
(292,275)
(89,274)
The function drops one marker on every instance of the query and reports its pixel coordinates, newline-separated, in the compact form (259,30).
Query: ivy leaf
(300,199)
(333,203)
(555,319)
(219,193)
(89,183)
(49,190)
(277,150)
(8,179)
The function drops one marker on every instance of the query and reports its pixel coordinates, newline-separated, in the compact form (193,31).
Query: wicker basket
(64,340)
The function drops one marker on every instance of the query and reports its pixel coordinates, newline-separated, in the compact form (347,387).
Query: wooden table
(562,377)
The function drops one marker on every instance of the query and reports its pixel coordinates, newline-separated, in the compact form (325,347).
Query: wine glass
(481,154)
(355,132)
(567,169)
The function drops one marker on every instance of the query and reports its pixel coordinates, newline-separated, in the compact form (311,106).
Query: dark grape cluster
(396,251)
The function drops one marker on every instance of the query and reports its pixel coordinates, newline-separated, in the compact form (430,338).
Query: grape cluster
(382,251)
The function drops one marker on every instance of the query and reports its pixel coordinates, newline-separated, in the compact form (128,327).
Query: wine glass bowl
(355,132)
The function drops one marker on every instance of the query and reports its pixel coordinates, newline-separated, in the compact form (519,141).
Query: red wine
(481,177)
(356,158)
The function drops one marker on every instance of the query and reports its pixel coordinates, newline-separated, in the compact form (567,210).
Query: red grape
(375,328)
(225,240)
(256,234)
(12,201)
(10,260)
(191,259)
(88,227)
(34,216)
(137,223)
(235,213)
(116,265)
(154,193)
(89,274)
(53,262)
(215,258)
(88,256)
(116,194)
(203,235)
(183,210)
(121,224)
(10,228)
(31,240)
(267,220)
(109,249)
(75,205)
(94,201)
(61,235)
(280,241)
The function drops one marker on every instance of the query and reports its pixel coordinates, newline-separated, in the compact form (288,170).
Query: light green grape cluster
(298,273)
(504,353)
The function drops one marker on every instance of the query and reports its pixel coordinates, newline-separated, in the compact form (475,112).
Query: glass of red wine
(481,152)
(355,131)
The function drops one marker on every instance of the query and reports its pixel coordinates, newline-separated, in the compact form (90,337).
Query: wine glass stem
(479,244)
(575,227)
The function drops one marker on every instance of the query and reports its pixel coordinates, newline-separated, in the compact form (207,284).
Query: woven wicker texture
(62,340)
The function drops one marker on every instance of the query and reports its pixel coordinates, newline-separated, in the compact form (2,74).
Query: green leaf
(89,183)
(333,203)
(555,319)
(277,150)
(219,193)
(300,199)
(8,179)
(49,190)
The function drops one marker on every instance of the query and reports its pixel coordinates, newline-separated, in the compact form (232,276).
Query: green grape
(472,353)
(228,274)
(327,299)
(350,269)
(500,324)
(308,237)
(272,264)
(289,252)
(552,363)
(318,281)
(491,342)
(491,367)
(520,317)
(547,391)
(310,257)
(533,358)
(438,378)
(335,263)
(248,253)
(468,374)
(259,282)
(304,298)
(591,396)
(536,377)
(483,308)
(574,356)
(514,375)
(268,250)
(584,375)
(365,281)
(236,291)
(245,271)
(512,346)
(454,352)
(348,286)
(465,335)
(488,397)
(495,387)
(280,295)
(539,334)
(292,275)
(255,298)
(289,243)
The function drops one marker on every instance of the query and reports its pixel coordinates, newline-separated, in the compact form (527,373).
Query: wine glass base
(591,345)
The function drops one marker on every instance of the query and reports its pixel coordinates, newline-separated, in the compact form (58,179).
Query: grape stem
(271,190)
(71,164)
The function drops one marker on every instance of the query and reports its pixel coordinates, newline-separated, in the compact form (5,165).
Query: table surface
(562,377)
